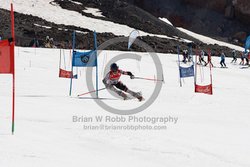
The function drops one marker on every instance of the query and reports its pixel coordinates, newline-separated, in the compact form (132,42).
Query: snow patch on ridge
(165,20)
(209,40)
(38,25)
(94,11)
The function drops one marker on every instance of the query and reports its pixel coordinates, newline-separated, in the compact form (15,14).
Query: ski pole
(90,92)
(150,79)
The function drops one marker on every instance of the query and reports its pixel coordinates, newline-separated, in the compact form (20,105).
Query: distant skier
(47,42)
(201,58)
(185,56)
(190,57)
(111,81)
(222,62)
(209,60)
(34,43)
(234,56)
(246,57)
(242,58)
(51,42)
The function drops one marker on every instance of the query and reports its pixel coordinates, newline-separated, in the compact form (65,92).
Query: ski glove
(131,75)
(107,83)
(10,40)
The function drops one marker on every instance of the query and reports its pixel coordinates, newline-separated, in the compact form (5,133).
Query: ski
(244,67)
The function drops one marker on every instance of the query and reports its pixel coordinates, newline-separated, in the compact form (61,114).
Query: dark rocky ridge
(228,20)
(127,14)
(26,30)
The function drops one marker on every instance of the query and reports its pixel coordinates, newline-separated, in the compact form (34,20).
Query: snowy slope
(210,131)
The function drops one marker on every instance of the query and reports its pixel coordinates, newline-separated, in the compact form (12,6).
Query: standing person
(47,42)
(246,57)
(51,42)
(222,61)
(190,56)
(242,58)
(111,82)
(209,60)
(234,56)
(185,56)
(201,58)
(34,43)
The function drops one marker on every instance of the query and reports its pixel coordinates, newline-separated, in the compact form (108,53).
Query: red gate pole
(13,67)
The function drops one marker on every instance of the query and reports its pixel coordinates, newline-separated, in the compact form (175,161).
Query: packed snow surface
(210,130)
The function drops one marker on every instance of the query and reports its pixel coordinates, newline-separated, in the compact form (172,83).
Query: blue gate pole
(179,64)
(95,43)
(73,49)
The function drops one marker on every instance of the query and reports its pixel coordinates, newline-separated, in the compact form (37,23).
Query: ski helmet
(114,67)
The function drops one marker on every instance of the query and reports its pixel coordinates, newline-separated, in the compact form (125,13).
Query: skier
(190,57)
(111,81)
(242,58)
(185,56)
(246,57)
(234,56)
(34,43)
(222,62)
(51,42)
(201,58)
(209,60)
(47,42)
